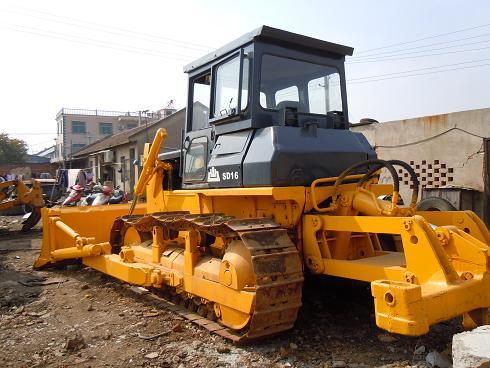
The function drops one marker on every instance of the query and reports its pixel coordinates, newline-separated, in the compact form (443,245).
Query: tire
(14,211)
(28,208)
(435,204)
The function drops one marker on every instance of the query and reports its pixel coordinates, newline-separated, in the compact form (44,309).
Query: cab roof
(273,35)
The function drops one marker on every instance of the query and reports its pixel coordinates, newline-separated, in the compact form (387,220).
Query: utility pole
(326,81)
(71,151)
(146,122)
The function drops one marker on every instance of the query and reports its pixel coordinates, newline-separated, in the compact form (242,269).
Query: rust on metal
(275,261)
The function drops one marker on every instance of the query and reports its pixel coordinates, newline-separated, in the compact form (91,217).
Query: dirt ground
(77,317)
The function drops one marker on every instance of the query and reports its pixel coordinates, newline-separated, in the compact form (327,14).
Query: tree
(12,151)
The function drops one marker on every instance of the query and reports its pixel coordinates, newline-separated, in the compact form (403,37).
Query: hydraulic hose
(379,163)
(411,172)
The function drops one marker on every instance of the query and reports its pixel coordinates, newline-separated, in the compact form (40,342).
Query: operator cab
(269,109)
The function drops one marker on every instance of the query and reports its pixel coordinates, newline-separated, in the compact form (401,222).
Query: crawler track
(275,261)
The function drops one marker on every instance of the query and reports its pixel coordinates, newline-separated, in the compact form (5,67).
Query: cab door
(199,138)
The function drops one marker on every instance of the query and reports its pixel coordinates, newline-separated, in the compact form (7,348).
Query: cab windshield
(306,87)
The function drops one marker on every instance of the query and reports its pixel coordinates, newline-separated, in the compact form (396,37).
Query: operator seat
(299,107)
(291,108)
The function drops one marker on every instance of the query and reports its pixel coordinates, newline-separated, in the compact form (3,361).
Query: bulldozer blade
(73,232)
(32,220)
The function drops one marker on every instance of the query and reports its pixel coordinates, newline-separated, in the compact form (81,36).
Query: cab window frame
(192,81)
(242,56)
(186,173)
(279,55)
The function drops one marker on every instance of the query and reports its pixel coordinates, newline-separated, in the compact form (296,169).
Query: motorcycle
(93,187)
(75,195)
(103,197)
(118,196)
(91,191)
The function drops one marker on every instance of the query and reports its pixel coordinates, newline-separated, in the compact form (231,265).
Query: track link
(275,260)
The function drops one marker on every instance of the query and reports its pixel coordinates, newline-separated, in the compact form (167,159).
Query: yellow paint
(442,272)
(24,195)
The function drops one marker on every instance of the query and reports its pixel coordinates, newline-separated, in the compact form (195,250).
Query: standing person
(89,175)
(63,179)
(81,178)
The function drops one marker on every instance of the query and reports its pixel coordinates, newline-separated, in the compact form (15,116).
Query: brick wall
(28,169)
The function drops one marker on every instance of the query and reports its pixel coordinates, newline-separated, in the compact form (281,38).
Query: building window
(131,125)
(78,127)
(75,147)
(105,128)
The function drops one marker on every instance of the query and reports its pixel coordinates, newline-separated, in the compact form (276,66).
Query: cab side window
(200,102)
(227,84)
(196,160)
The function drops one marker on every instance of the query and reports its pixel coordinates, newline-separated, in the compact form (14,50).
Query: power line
(38,133)
(182,57)
(94,42)
(106,28)
(420,69)
(419,47)
(97,43)
(36,144)
(100,41)
(415,56)
(433,137)
(352,80)
(418,74)
(424,38)
(377,78)
(422,51)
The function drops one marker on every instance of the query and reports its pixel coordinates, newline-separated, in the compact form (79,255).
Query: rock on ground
(436,359)
(37,320)
(74,341)
(472,349)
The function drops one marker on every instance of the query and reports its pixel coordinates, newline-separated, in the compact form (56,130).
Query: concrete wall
(66,139)
(445,150)
(125,173)
(173,124)
(123,166)
(120,167)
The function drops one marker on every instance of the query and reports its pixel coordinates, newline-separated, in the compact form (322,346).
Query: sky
(129,55)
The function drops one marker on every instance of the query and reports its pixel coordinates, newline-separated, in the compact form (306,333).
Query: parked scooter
(118,196)
(91,191)
(75,195)
(103,197)
(94,187)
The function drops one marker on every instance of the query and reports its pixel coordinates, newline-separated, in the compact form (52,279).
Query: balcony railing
(65,111)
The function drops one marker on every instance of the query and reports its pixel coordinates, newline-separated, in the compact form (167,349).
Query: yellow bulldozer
(16,193)
(275,186)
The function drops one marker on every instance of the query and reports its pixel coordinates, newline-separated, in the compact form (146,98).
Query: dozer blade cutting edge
(32,220)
